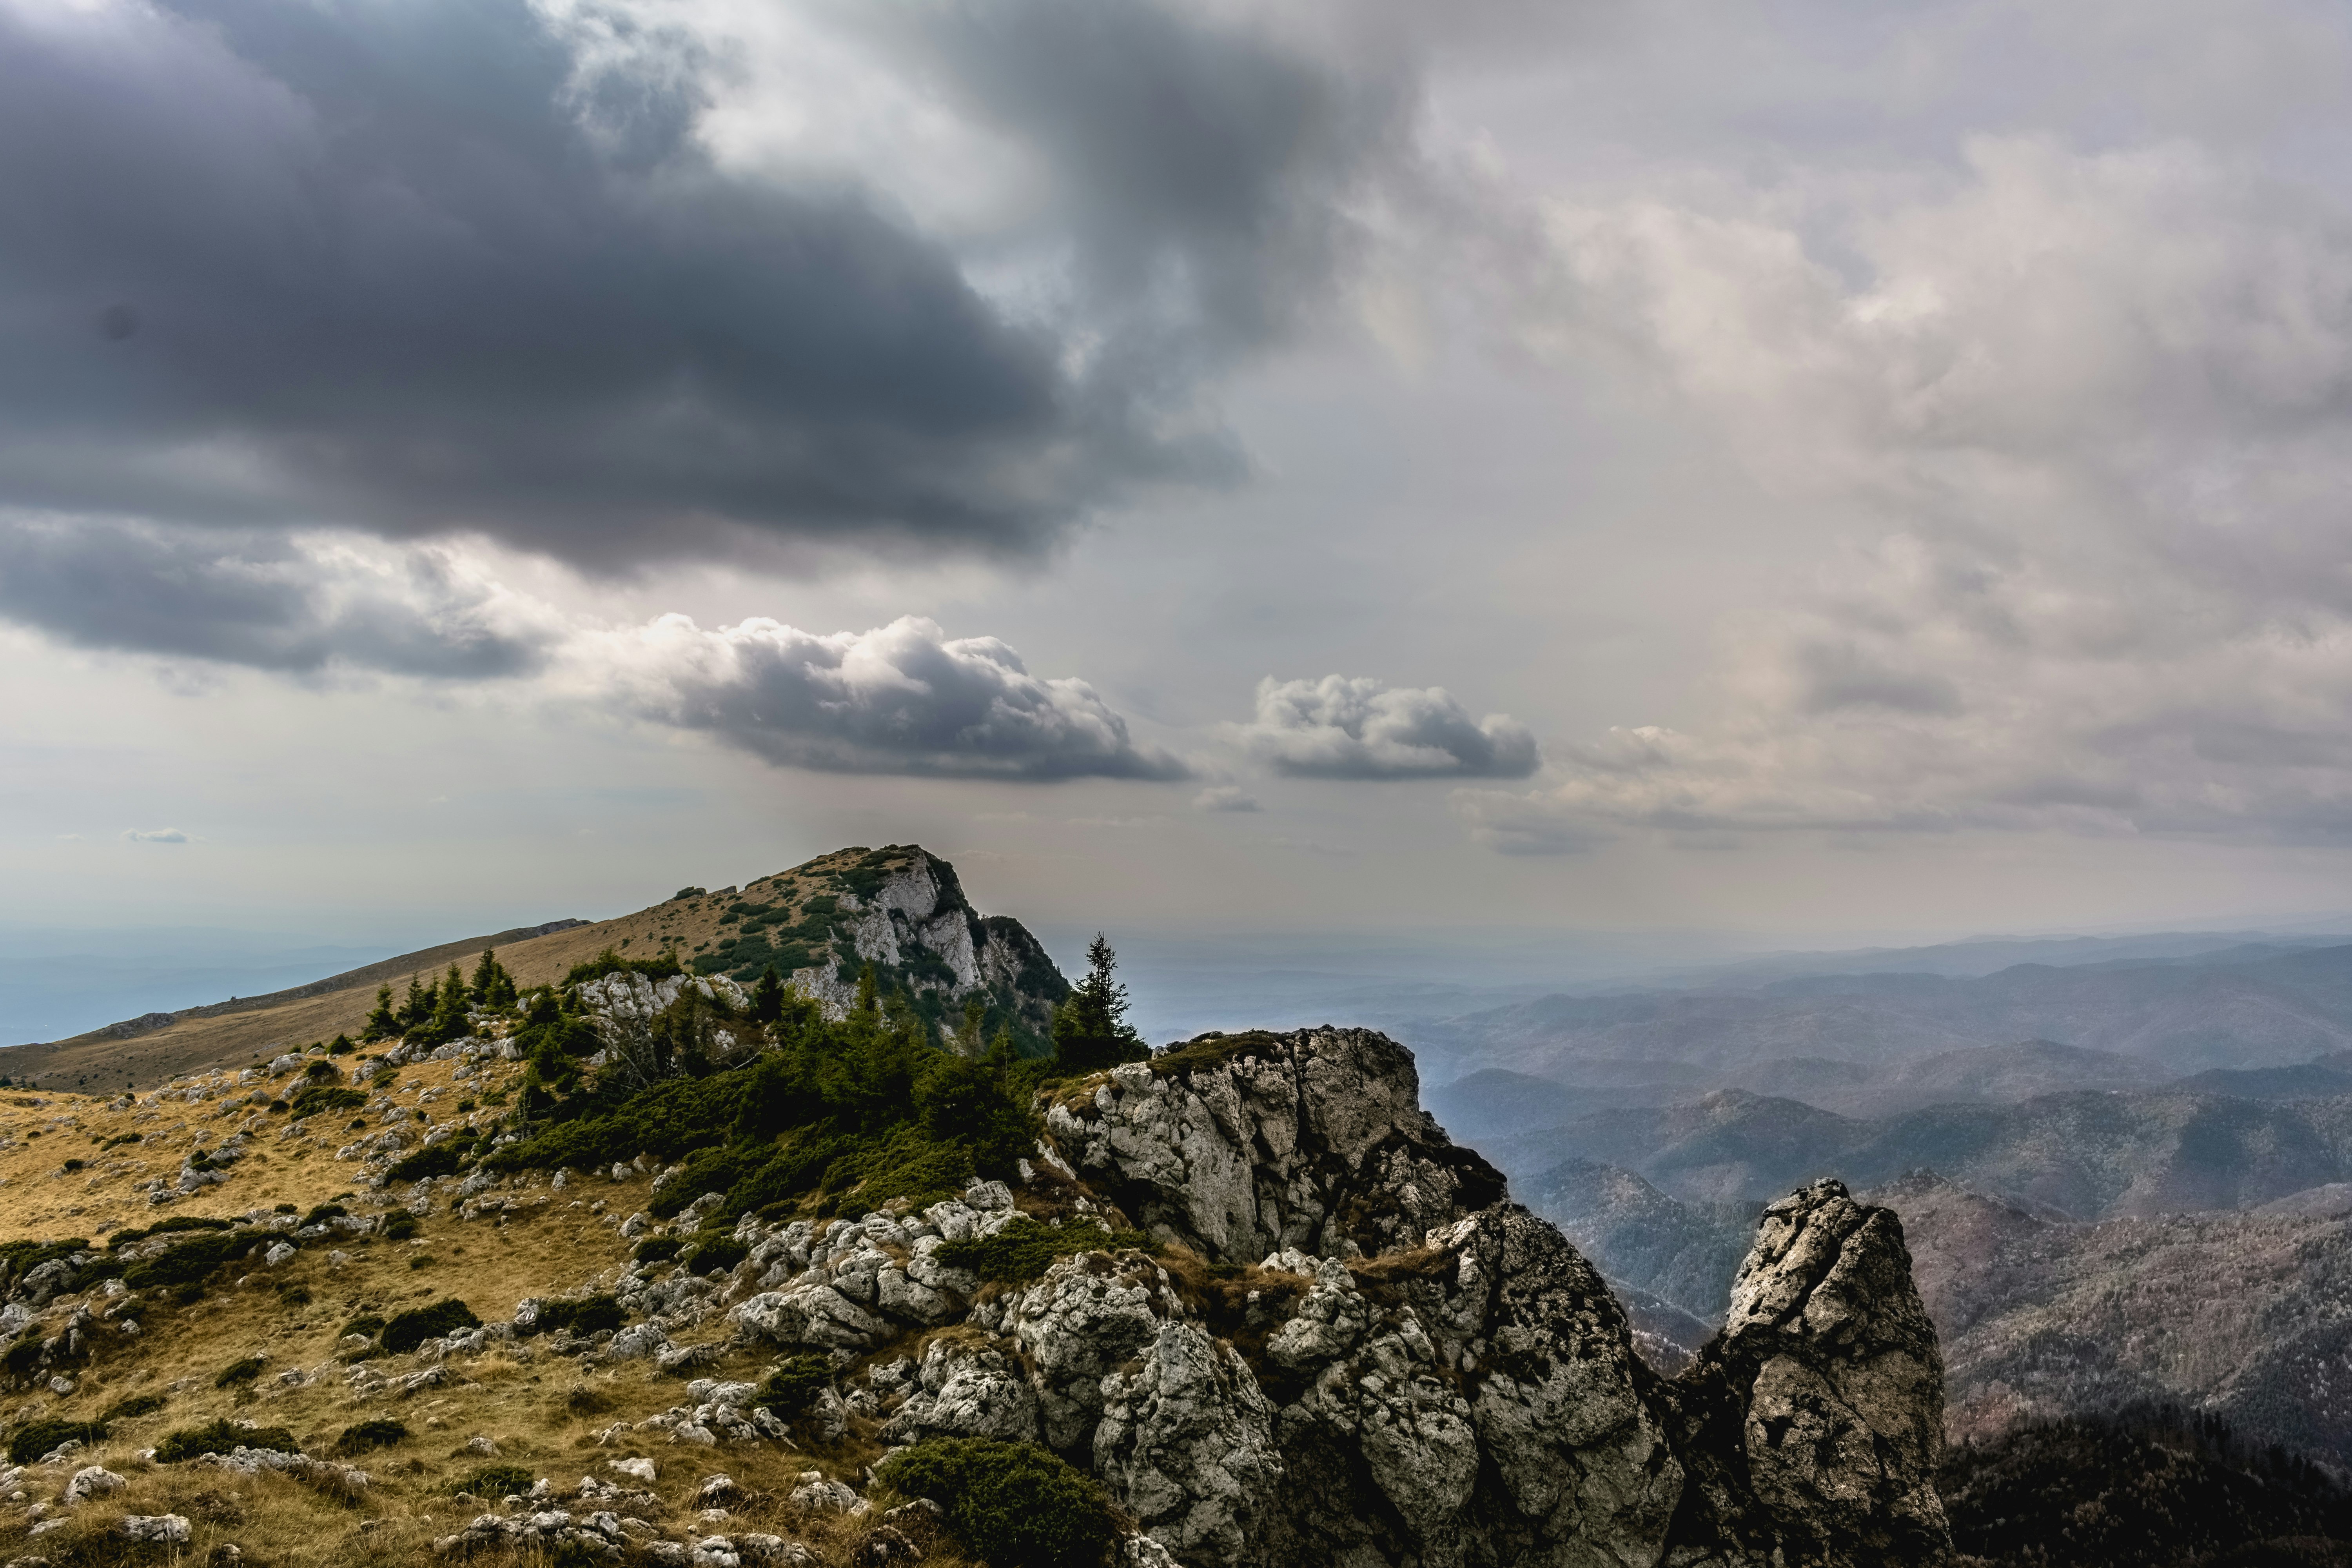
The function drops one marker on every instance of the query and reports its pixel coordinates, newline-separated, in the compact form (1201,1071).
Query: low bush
(496,1481)
(325,1097)
(367,1323)
(715,1254)
(659,1248)
(221,1438)
(433,1160)
(190,1261)
(370,1435)
(178,1222)
(131,1408)
(1014,1504)
(34,1439)
(399,1227)
(1024,1249)
(237,1372)
(587,1315)
(794,1386)
(411,1329)
(325,1211)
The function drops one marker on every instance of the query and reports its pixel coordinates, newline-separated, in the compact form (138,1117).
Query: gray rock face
(1814,1420)
(1419,1373)
(1245,1144)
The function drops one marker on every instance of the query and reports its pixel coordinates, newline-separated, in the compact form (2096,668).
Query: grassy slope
(236,1033)
(540,1411)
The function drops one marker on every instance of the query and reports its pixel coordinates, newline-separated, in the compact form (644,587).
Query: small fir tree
(384,1022)
(1090,1029)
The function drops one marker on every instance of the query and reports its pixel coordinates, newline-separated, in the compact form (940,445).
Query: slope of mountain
(899,907)
(1329,1339)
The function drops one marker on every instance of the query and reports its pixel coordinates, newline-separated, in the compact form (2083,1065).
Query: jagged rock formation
(1350,1349)
(899,909)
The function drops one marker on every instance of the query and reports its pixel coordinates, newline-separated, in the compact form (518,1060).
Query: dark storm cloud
(1203,173)
(417,269)
(238,597)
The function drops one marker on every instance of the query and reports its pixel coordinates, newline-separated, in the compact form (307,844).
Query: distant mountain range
(2242,1006)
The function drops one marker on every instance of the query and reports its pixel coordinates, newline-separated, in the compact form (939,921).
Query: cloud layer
(2101,405)
(469,264)
(1343,728)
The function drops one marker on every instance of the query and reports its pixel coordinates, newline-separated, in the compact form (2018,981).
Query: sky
(1821,472)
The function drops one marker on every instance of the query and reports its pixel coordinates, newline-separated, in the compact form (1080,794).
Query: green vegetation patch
(131,1408)
(792,1387)
(175,1222)
(433,1160)
(611,963)
(35,1438)
(325,1096)
(221,1438)
(1014,1504)
(400,1227)
(1025,1248)
(715,1254)
(1213,1051)
(240,1371)
(496,1481)
(192,1261)
(659,1248)
(409,1329)
(370,1435)
(584,1315)
(366,1323)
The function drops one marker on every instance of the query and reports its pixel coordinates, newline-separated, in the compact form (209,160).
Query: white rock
(93,1481)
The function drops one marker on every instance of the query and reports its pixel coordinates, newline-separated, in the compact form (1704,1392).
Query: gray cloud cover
(263,600)
(1342,728)
(455,265)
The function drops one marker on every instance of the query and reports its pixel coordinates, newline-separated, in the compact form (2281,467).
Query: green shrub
(189,1262)
(370,1435)
(422,1260)
(412,1329)
(34,1439)
(399,1227)
(715,1255)
(611,963)
(587,1315)
(237,1372)
(221,1438)
(324,1212)
(433,1160)
(324,1071)
(178,1222)
(1014,1504)
(659,1248)
(794,1386)
(131,1408)
(323,1096)
(74,1164)
(1024,1249)
(367,1323)
(497,1481)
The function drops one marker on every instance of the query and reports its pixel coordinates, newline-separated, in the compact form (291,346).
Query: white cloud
(904,698)
(154,836)
(1339,728)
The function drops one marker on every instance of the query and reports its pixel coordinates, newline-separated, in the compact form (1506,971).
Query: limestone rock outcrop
(1346,1346)
(1240,1145)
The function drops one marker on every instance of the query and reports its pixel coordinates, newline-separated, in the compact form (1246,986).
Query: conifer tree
(383,1023)
(868,989)
(1090,1029)
(418,1008)
(767,996)
(492,986)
